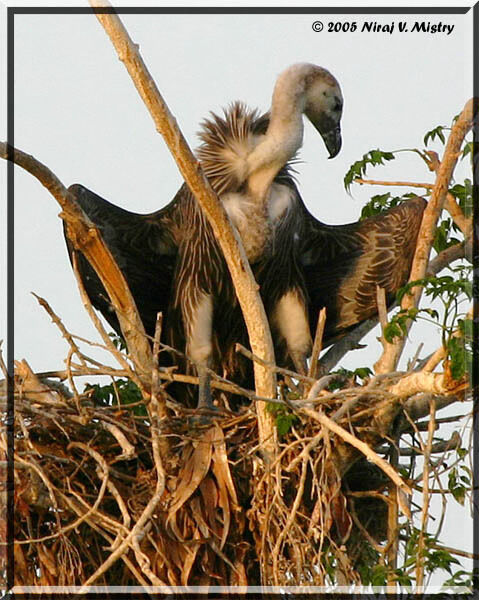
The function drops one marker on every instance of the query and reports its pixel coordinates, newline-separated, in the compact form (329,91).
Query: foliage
(445,296)
(432,556)
(122,392)
(347,377)
(436,132)
(460,482)
(443,239)
(464,194)
(284,418)
(118,341)
(358,169)
(450,291)
(382,202)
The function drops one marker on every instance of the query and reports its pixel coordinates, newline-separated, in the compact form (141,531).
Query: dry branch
(317,344)
(86,238)
(391,354)
(361,446)
(245,286)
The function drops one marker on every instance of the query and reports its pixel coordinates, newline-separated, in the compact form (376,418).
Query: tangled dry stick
(178,516)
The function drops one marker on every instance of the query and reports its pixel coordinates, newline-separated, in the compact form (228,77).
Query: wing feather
(144,247)
(343,264)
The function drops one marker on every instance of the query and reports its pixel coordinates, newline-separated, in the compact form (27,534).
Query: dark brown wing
(343,264)
(145,248)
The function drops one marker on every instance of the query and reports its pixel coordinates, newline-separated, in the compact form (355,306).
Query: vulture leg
(291,320)
(205,399)
(199,327)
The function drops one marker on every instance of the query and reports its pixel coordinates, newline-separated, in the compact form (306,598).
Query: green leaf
(443,239)
(118,341)
(398,324)
(378,575)
(284,418)
(457,490)
(123,390)
(436,132)
(358,169)
(464,194)
(382,202)
(284,422)
(362,372)
(457,355)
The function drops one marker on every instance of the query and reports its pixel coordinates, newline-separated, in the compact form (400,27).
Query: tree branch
(445,258)
(245,286)
(86,238)
(350,341)
(392,352)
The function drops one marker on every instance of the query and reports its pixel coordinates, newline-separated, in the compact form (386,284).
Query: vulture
(173,263)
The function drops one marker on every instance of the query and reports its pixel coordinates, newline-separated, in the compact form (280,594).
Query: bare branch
(427,383)
(414,184)
(392,352)
(318,343)
(348,342)
(86,238)
(445,258)
(243,280)
(361,446)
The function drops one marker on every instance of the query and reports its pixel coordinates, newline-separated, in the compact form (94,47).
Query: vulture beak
(330,131)
(332,139)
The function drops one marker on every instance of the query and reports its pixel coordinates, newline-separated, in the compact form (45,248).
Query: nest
(110,493)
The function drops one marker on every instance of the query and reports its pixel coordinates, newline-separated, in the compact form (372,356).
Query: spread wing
(343,264)
(145,248)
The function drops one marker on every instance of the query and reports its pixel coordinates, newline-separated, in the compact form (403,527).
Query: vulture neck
(283,137)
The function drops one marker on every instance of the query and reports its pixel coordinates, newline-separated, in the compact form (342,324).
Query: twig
(136,573)
(437,448)
(318,344)
(361,446)
(58,322)
(157,408)
(101,330)
(426,496)
(445,258)
(291,516)
(137,529)
(245,352)
(128,450)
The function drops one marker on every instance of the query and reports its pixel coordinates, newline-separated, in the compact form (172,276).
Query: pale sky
(77,111)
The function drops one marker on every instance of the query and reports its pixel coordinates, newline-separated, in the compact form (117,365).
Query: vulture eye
(338,105)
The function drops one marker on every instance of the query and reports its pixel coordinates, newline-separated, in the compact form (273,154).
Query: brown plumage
(173,264)
(355,258)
